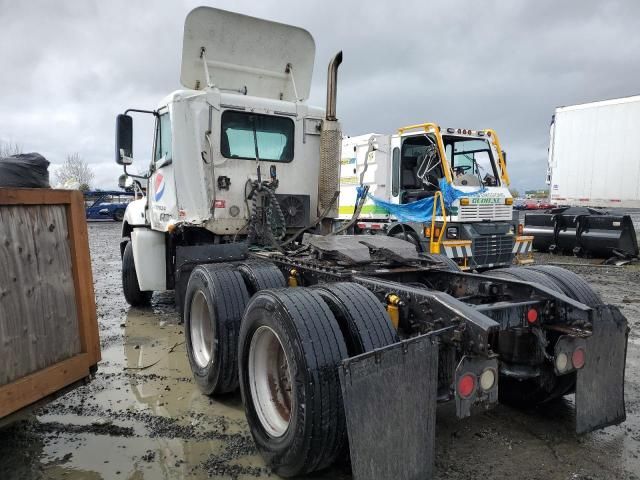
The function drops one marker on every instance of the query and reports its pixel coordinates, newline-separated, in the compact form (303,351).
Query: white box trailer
(594,154)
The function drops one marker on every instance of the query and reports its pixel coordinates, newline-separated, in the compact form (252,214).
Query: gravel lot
(143,418)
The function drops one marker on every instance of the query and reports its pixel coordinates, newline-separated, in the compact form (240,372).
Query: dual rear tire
(291,344)
(283,347)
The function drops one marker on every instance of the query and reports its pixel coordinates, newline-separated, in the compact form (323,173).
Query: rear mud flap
(600,384)
(390,404)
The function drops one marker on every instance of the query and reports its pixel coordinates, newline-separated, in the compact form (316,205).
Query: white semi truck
(594,154)
(331,338)
(478,231)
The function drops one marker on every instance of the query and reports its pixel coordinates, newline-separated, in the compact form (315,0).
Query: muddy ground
(142,417)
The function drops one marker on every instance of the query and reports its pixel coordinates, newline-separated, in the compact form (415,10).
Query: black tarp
(25,170)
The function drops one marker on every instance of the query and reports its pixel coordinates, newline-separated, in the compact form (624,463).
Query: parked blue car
(106,205)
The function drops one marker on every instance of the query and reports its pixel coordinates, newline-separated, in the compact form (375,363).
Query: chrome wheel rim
(202,330)
(270,381)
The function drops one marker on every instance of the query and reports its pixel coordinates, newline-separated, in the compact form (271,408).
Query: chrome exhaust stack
(330,146)
(332,86)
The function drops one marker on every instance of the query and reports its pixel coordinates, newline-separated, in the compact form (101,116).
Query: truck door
(395,169)
(162,192)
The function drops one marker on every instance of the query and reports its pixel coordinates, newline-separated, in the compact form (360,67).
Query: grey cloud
(68,67)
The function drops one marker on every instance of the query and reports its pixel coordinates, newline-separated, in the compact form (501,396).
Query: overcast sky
(68,67)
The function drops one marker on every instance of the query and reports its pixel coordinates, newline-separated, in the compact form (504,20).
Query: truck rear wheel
(571,284)
(364,322)
(520,273)
(290,347)
(130,286)
(261,276)
(547,386)
(214,302)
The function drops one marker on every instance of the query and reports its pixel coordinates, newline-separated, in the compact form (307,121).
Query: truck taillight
(578,358)
(532,315)
(487,379)
(562,362)
(466,385)
(520,229)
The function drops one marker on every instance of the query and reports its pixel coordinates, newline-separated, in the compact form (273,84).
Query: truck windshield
(274,136)
(471,161)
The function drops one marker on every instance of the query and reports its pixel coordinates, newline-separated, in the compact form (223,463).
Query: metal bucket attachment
(600,384)
(390,404)
(582,231)
(566,233)
(608,235)
(541,226)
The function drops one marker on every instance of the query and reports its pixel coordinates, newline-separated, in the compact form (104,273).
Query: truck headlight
(508,201)
(452,232)
(464,201)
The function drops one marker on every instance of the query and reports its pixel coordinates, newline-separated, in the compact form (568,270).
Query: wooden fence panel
(48,326)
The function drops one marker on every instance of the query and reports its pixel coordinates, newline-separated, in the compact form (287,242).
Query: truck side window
(395,172)
(274,136)
(163,138)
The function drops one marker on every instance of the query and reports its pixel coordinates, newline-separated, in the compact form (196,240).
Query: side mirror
(504,156)
(124,140)
(125,181)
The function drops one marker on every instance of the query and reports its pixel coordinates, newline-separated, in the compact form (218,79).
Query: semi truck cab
(478,232)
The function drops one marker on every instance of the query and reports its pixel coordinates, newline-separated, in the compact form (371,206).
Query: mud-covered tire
(215,294)
(310,338)
(363,320)
(130,287)
(259,275)
(572,285)
(529,276)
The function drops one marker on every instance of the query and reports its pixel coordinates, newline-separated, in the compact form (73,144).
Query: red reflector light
(532,315)
(578,358)
(466,385)
(219,204)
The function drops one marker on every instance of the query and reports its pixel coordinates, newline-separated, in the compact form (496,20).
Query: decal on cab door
(159,186)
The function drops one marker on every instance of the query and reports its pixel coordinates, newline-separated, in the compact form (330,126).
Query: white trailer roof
(600,103)
(246,52)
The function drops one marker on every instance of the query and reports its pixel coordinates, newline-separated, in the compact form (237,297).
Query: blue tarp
(421,210)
